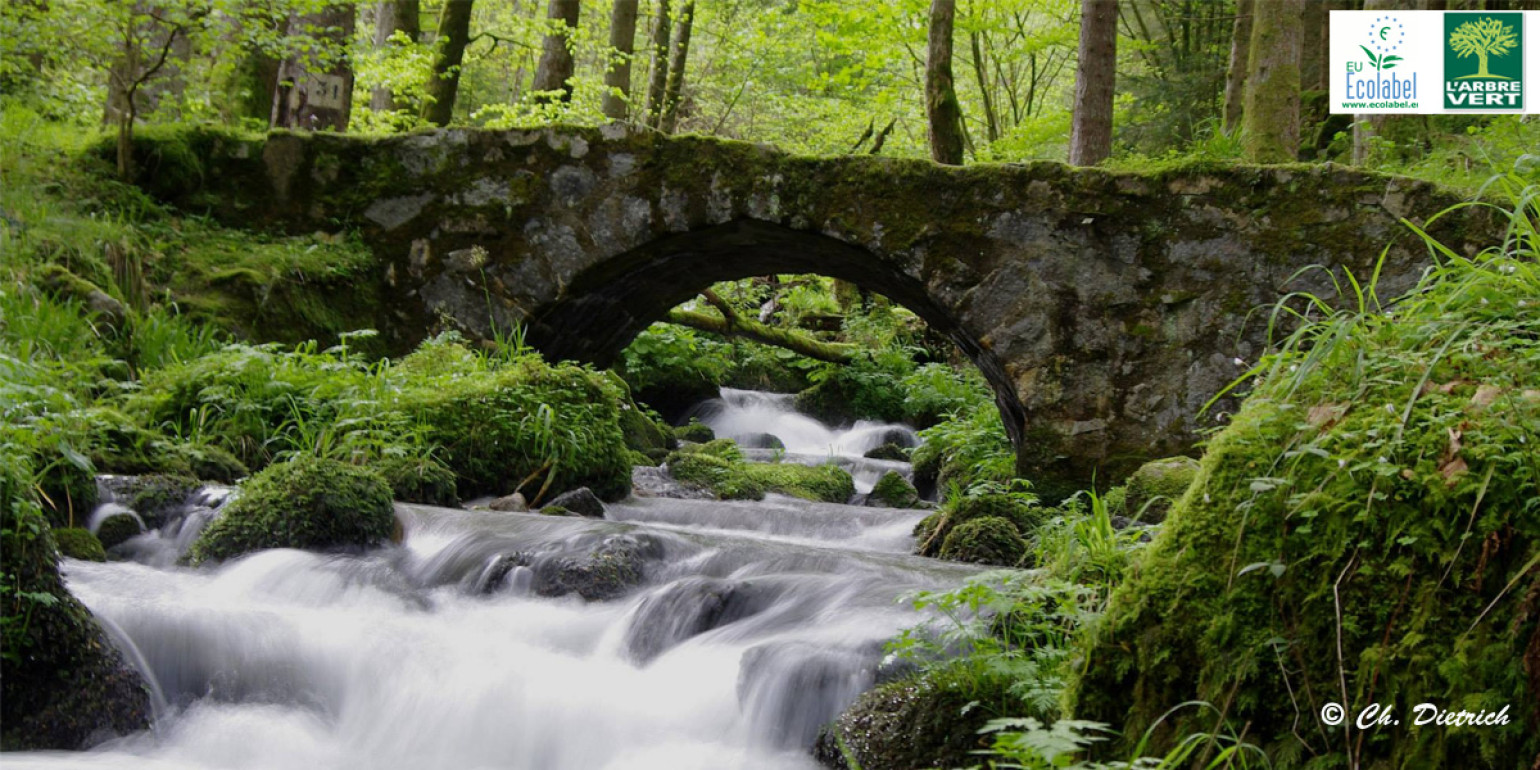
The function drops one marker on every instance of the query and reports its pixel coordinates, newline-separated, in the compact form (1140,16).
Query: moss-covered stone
(642,433)
(912,724)
(894,491)
(718,465)
(1156,486)
(308,503)
(155,495)
(62,683)
(725,478)
(79,543)
(889,451)
(825,483)
(417,479)
(988,540)
(932,531)
(694,431)
(116,529)
(65,285)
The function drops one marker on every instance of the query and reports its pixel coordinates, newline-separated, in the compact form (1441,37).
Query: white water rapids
(755,623)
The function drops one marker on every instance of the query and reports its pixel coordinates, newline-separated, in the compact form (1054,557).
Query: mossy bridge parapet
(1104,308)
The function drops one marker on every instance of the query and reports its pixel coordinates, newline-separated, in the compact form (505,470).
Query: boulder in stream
(581,501)
(605,572)
(892,490)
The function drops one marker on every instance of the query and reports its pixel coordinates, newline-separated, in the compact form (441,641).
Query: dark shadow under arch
(605,307)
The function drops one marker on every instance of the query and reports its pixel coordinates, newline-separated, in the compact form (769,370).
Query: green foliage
(417,478)
(79,543)
(967,449)
(307,502)
(1082,546)
(1364,530)
(694,431)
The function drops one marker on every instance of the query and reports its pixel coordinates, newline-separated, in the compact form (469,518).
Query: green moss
(154,494)
(68,491)
(826,483)
(1157,485)
(922,722)
(117,529)
(725,478)
(895,452)
(642,431)
(1116,501)
(308,502)
(895,491)
(79,543)
(932,531)
(694,431)
(1330,543)
(986,540)
(416,479)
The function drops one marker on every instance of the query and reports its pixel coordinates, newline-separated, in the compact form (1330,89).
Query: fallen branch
(795,341)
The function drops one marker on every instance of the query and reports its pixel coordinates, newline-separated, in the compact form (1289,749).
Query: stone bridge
(1104,308)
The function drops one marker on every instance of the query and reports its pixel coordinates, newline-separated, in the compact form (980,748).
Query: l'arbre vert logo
(1484,61)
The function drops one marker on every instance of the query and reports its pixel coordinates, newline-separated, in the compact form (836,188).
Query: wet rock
(581,501)
(156,497)
(513,503)
(651,481)
(688,608)
(911,723)
(761,441)
(118,528)
(892,490)
(790,690)
(606,572)
(888,451)
(694,431)
(495,575)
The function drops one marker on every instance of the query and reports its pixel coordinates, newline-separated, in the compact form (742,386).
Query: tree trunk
(617,79)
(393,16)
(454,33)
(674,88)
(798,342)
(981,72)
(1312,47)
(1366,127)
(1235,76)
(322,99)
(1270,123)
(1090,140)
(658,81)
(554,73)
(942,110)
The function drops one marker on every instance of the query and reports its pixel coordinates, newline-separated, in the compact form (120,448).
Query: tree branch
(797,342)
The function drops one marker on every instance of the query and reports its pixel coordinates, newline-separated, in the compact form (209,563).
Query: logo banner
(1433,62)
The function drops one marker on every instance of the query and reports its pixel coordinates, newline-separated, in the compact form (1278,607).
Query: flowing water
(747,626)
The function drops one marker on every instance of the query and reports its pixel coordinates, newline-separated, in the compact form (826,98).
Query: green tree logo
(1483,38)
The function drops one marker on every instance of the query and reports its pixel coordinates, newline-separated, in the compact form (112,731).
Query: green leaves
(1384,62)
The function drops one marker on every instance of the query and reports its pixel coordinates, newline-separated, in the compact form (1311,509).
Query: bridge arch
(606,306)
(1104,308)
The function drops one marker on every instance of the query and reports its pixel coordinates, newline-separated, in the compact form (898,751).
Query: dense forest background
(969,81)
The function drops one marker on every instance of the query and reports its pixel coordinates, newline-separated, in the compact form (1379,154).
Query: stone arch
(607,305)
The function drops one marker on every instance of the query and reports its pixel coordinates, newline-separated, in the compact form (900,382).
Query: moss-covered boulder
(888,451)
(153,496)
(1368,523)
(989,540)
(1156,486)
(63,284)
(117,529)
(725,478)
(521,420)
(642,431)
(892,490)
(694,431)
(418,479)
(79,543)
(914,723)
(822,483)
(308,503)
(62,683)
(932,531)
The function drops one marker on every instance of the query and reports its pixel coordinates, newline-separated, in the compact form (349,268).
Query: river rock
(689,608)
(1157,485)
(581,501)
(606,572)
(892,490)
(888,451)
(761,441)
(513,503)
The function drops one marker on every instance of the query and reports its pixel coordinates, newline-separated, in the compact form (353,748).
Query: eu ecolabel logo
(1484,61)
(1376,78)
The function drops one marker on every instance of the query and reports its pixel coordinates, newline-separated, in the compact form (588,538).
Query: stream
(748,627)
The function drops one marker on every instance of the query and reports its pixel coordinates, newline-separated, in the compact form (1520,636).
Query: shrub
(79,543)
(307,502)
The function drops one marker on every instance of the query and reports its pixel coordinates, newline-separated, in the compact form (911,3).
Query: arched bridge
(1104,308)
